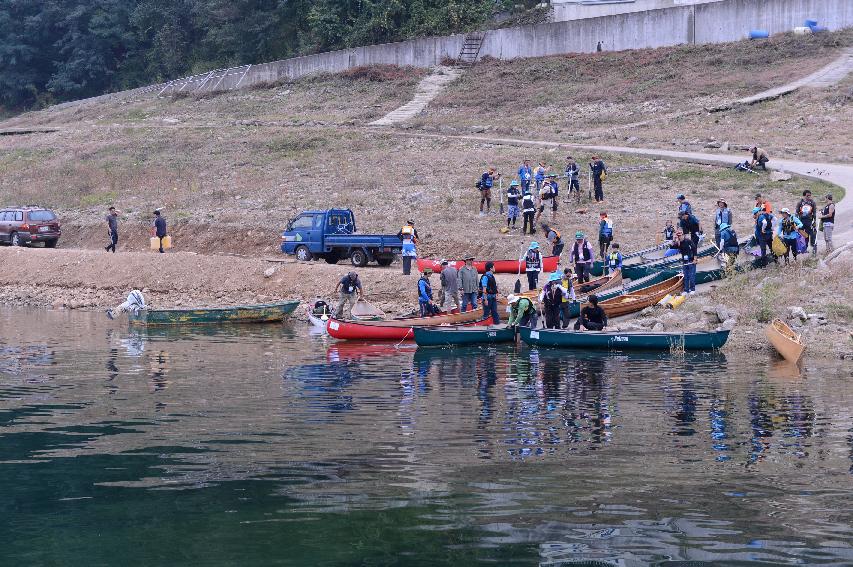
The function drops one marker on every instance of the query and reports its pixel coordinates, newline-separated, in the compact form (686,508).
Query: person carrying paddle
(554,239)
(522,312)
(807,213)
(722,216)
(528,211)
(582,256)
(551,297)
(350,291)
(605,233)
(789,229)
(409,235)
(572,171)
(827,222)
(763,232)
(450,285)
(687,250)
(533,265)
(513,195)
(488,292)
(592,317)
(425,302)
(468,279)
(599,172)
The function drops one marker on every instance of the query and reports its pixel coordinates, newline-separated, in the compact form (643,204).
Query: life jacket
(806,210)
(427,288)
(567,284)
(730,243)
(407,231)
(614,260)
(768,230)
(528,204)
(606,228)
(724,216)
(829,219)
(669,232)
(350,285)
(512,196)
(586,252)
(553,295)
(491,283)
(557,238)
(788,225)
(533,261)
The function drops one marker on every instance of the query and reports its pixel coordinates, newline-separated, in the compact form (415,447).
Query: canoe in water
(549,264)
(786,342)
(259,313)
(624,341)
(458,336)
(397,329)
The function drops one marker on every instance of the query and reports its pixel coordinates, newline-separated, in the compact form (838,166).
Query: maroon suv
(20,226)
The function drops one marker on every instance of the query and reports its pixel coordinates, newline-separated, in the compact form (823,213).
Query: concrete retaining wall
(715,22)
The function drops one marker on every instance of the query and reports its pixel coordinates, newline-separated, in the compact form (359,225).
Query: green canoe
(457,336)
(624,341)
(259,313)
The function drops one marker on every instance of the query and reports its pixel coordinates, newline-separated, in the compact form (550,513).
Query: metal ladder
(471,48)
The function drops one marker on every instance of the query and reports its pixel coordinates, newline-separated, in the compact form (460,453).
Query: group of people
(158,229)
(793,232)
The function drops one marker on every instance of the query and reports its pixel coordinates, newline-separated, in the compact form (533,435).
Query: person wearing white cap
(533,265)
(788,230)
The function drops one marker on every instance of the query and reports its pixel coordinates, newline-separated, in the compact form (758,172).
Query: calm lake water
(271,446)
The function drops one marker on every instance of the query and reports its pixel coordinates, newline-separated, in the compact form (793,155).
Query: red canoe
(549,264)
(398,329)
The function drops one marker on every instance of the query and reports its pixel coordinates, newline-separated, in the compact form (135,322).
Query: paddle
(501,189)
(518,281)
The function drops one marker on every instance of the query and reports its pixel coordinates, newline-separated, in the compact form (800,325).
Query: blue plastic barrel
(810,23)
(818,29)
(759,34)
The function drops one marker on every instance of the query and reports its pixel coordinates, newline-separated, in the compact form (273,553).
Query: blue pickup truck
(331,235)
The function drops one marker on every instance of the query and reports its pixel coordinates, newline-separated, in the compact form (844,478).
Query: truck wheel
(50,243)
(358,258)
(332,258)
(14,239)
(303,254)
(385,261)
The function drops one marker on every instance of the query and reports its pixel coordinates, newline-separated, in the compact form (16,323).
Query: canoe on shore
(397,329)
(259,313)
(631,258)
(639,299)
(599,285)
(624,341)
(549,264)
(462,336)
(787,343)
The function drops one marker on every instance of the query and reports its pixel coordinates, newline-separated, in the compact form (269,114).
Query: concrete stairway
(427,90)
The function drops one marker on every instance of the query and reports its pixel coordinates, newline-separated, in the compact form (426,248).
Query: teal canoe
(633,257)
(462,336)
(259,313)
(624,341)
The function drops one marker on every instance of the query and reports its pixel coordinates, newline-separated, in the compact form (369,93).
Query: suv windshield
(41,216)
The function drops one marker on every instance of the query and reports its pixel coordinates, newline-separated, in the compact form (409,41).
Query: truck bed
(363,241)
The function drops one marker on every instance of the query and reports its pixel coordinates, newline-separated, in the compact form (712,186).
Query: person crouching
(428,307)
(592,317)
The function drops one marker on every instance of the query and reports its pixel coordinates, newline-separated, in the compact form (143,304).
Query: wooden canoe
(786,342)
(599,285)
(396,329)
(259,313)
(564,338)
(637,300)
(459,336)
(549,264)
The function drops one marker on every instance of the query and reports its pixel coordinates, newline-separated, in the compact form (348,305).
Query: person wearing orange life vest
(554,238)
(409,235)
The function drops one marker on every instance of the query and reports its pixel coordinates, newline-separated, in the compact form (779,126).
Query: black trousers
(599,189)
(552,316)
(587,324)
(113,241)
(407,265)
(581,270)
(565,313)
(532,280)
(528,221)
(558,249)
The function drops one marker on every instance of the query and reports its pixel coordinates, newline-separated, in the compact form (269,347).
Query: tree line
(55,50)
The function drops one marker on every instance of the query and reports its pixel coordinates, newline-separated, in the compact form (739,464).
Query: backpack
(731,244)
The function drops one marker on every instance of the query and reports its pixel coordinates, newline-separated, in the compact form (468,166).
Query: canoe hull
(638,300)
(396,329)
(549,264)
(624,341)
(636,271)
(786,342)
(462,336)
(261,313)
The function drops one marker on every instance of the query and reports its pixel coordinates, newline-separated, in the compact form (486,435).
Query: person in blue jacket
(428,307)
(788,230)
(488,293)
(525,175)
(160,228)
(614,258)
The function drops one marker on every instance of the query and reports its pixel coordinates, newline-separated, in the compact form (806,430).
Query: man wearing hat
(449,286)
(409,235)
(722,216)
(428,307)
(533,265)
(827,222)
(469,282)
(350,291)
(512,197)
(582,256)
(522,311)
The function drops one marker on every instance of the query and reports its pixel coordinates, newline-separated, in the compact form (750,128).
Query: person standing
(533,265)
(592,316)
(721,217)
(450,285)
(605,234)
(160,228)
(572,172)
(349,290)
(683,205)
(763,232)
(528,211)
(525,174)
(566,305)
(487,181)
(522,312)
(689,225)
(614,259)
(788,230)
(488,292)
(539,176)
(425,302)
(112,228)
(551,297)
(409,235)
(599,172)
(807,214)
(554,239)
(582,257)
(512,197)
(668,231)
(763,203)
(687,250)
(827,219)
(468,278)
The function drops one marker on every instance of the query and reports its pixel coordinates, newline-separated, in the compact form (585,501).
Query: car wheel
(358,258)
(50,243)
(303,254)
(14,239)
(331,258)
